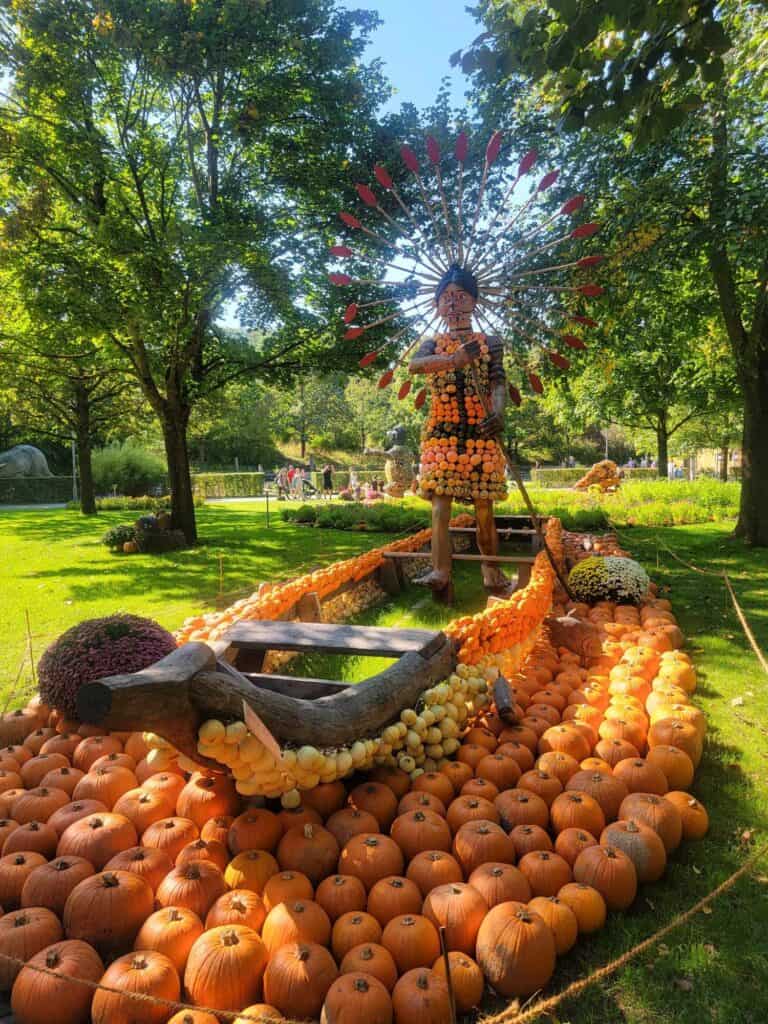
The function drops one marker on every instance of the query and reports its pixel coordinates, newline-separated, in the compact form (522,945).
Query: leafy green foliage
(118,535)
(127,469)
(381,518)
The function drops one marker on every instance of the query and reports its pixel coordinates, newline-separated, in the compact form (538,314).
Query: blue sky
(415,42)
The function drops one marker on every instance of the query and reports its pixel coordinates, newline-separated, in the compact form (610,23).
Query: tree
(674,140)
(163,159)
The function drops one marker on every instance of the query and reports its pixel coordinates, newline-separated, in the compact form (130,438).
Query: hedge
(340,478)
(563,477)
(35,490)
(227,485)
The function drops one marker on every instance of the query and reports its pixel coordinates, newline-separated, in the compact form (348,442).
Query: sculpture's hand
(465,355)
(492,425)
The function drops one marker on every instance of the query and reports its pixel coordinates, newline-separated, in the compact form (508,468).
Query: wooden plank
(502,531)
(301,687)
(517,559)
(308,608)
(266,635)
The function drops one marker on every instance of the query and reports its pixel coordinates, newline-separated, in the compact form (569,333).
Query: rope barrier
(545,1006)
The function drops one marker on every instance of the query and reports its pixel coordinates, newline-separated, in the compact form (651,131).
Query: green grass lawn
(714,969)
(54,567)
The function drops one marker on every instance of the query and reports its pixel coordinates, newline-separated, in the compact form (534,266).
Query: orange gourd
(413,941)
(353,929)
(98,838)
(432,868)
(611,872)
(170,835)
(171,931)
(238,906)
(516,950)
(150,864)
(225,968)
(196,885)
(371,858)
(107,910)
(297,979)
(393,896)
(460,909)
(22,934)
(421,997)
(371,958)
(301,921)
(339,894)
(312,849)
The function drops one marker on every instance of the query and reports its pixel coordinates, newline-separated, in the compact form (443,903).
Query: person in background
(327,481)
(283,486)
(290,475)
(671,470)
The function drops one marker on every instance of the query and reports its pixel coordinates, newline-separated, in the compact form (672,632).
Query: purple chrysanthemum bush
(97,648)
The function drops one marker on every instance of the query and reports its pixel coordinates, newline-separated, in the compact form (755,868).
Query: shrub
(129,468)
(612,578)
(96,648)
(118,535)
(35,490)
(383,517)
(228,485)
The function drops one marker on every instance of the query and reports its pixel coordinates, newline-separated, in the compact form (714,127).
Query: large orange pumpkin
(378,800)
(641,844)
(300,921)
(479,841)
(150,864)
(349,822)
(255,829)
(413,941)
(34,836)
(196,885)
(560,918)
(171,931)
(339,894)
(587,904)
(70,813)
(105,784)
(98,838)
(108,910)
(421,997)
(39,998)
(146,973)
(371,858)
(356,928)
(547,872)
(433,867)
(297,979)
(500,883)
(460,909)
(311,849)
(466,979)
(393,896)
(225,968)
(206,796)
(657,813)
(238,906)
(15,869)
(22,934)
(170,835)
(371,958)
(357,997)
(693,815)
(49,885)
(516,950)
(421,830)
(143,807)
(611,872)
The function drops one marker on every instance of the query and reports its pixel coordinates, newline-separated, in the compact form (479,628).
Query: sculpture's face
(454,301)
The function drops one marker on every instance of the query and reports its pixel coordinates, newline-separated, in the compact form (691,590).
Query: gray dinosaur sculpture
(23,460)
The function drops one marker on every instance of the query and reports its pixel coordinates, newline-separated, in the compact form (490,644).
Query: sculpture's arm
(425,360)
(374,451)
(493,424)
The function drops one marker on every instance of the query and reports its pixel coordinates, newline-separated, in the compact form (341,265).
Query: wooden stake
(449,981)
(29,647)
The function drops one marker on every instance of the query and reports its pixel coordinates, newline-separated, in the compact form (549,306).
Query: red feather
(341,250)
(350,313)
(352,333)
(420,398)
(404,390)
(367,195)
(493,147)
(382,176)
(462,147)
(527,162)
(590,261)
(515,395)
(547,180)
(367,359)
(585,230)
(591,290)
(386,378)
(572,205)
(536,384)
(349,220)
(573,342)
(587,321)
(409,159)
(340,279)
(433,150)
(560,361)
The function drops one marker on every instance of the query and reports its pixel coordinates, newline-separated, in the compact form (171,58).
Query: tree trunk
(175,423)
(662,442)
(724,463)
(87,492)
(752,524)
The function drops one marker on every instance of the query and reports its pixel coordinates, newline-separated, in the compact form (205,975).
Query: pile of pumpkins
(174,887)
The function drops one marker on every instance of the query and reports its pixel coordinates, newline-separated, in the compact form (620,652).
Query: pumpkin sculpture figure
(482,274)
(460,455)
(398,468)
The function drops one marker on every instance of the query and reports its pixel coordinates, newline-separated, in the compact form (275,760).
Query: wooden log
(504,701)
(175,708)
(388,578)
(526,559)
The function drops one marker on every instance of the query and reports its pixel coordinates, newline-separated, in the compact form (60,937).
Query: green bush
(116,536)
(129,469)
(565,477)
(35,490)
(145,503)
(381,518)
(228,485)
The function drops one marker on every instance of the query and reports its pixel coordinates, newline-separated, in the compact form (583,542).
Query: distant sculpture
(23,460)
(398,468)
(606,475)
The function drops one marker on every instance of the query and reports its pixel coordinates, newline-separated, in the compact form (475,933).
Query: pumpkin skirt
(467,472)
